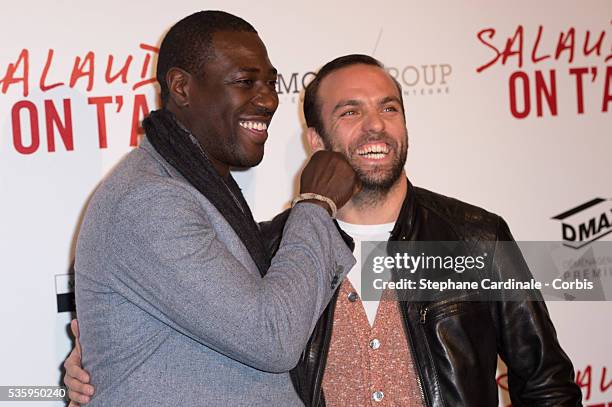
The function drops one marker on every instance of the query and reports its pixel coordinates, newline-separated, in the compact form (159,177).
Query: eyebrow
(389,99)
(272,71)
(346,102)
(355,102)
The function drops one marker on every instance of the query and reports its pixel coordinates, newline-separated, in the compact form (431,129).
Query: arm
(539,371)
(172,264)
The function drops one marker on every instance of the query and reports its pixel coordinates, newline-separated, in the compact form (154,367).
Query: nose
(266,98)
(373,122)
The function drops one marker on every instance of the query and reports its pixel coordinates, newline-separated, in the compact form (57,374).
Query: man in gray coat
(178,299)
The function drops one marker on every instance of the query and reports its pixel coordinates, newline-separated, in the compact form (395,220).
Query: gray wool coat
(173,310)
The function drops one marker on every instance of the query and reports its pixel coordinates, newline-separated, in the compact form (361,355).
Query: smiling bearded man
(390,350)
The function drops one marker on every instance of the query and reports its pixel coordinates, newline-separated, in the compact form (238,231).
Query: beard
(376,180)
(380,180)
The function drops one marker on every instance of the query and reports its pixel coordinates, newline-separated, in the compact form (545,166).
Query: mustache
(262,111)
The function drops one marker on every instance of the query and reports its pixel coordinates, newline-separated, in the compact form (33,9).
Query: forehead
(357,82)
(238,50)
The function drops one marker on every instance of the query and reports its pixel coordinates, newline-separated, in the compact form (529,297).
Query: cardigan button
(374,344)
(352,297)
(378,395)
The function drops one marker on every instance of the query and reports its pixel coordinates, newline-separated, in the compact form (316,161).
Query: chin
(379,180)
(249,160)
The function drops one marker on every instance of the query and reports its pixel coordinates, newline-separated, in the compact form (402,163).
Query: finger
(74,326)
(78,398)
(78,386)
(76,372)
(72,364)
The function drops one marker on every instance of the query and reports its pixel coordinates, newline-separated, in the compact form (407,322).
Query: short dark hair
(188,44)
(312,107)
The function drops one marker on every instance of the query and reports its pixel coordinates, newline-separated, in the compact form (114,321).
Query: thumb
(74,326)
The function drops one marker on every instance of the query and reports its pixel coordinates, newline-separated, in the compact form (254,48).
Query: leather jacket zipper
(414,358)
(421,388)
(423,310)
(441,305)
(423,313)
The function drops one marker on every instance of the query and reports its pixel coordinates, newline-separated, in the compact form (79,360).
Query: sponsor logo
(64,290)
(586,223)
(290,86)
(416,80)
(423,80)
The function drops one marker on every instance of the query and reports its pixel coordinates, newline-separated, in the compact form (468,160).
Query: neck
(374,210)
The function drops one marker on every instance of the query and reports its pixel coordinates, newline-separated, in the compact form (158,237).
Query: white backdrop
(523,159)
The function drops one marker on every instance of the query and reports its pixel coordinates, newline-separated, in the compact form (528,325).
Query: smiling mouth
(373,151)
(254,125)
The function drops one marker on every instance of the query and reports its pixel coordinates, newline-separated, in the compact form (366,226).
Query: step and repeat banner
(508,107)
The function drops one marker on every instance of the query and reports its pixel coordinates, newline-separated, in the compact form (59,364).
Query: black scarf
(175,144)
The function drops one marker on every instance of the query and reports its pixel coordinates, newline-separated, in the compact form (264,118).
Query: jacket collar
(405,225)
(146,145)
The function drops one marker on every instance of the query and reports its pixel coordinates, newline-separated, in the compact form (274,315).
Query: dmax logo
(586,223)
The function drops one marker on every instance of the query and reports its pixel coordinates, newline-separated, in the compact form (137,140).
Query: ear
(314,140)
(179,83)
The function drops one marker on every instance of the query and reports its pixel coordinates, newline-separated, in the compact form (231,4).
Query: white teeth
(374,151)
(254,125)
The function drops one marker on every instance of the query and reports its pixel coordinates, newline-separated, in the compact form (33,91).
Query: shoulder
(140,187)
(468,221)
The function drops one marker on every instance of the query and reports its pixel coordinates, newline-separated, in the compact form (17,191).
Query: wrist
(322,204)
(317,199)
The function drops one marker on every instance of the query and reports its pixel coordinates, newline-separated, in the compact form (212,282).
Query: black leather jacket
(455,343)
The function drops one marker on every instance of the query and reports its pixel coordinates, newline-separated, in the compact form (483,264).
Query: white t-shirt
(366,233)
